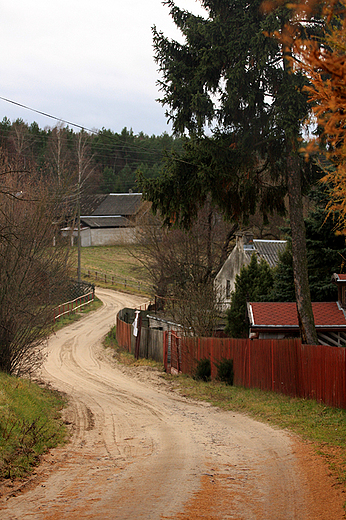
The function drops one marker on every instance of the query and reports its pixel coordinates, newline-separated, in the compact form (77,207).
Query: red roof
(284,314)
(339,277)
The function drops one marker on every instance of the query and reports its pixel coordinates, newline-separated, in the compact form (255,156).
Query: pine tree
(230,74)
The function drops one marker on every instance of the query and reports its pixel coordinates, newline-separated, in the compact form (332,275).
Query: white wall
(111,236)
(229,271)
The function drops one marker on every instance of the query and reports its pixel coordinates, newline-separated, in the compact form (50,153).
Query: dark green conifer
(230,74)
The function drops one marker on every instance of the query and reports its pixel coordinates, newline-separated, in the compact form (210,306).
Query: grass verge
(30,424)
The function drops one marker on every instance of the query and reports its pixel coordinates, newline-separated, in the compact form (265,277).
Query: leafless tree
(33,274)
(182,266)
(59,154)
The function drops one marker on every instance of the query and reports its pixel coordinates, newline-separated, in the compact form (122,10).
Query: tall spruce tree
(229,73)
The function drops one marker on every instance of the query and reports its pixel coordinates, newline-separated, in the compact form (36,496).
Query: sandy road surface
(139,452)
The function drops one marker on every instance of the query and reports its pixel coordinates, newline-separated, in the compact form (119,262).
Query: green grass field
(116,267)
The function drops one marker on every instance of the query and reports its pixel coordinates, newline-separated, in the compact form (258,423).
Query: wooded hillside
(113,158)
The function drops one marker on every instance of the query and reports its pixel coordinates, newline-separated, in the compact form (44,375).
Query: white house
(240,256)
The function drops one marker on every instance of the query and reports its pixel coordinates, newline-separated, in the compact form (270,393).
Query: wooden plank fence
(283,366)
(149,344)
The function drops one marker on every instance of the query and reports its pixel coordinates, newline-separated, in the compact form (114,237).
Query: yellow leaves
(303,8)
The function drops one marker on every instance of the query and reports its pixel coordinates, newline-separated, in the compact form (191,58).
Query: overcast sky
(85,61)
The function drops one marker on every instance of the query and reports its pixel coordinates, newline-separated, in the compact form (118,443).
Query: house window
(228,288)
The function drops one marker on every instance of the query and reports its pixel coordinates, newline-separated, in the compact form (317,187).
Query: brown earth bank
(140,451)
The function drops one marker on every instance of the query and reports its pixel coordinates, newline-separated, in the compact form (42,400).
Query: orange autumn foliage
(323,61)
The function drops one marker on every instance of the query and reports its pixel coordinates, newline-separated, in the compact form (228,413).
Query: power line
(95,132)
(48,115)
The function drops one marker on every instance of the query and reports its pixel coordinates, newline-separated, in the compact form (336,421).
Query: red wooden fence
(284,366)
(123,334)
(73,305)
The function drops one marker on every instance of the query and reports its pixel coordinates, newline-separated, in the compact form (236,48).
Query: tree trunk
(300,264)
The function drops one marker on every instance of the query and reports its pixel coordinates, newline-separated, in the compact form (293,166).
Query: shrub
(225,371)
(203,370)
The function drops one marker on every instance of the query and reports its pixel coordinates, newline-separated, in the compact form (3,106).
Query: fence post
(249,363)
(212,355)
(272,351)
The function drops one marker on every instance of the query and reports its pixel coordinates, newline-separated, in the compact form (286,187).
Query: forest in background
(113,158)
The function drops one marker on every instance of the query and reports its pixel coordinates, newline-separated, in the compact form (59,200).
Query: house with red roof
(278,320)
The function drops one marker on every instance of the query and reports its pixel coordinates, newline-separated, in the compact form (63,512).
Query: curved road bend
(139,452)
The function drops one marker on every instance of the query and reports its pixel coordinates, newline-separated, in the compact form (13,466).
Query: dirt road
(139,451)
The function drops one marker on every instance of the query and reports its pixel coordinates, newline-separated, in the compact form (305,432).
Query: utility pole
(85,168)
(79,276)
(79,152)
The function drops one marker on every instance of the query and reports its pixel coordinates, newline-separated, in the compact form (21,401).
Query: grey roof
(267,249)
(125,204)
(90,203)
(105,222)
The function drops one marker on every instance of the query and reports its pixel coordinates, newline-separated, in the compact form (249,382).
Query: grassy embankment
(118,265)
(30,422)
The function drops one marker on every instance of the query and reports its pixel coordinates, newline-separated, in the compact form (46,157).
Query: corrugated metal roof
(105,222)
(267,249)
(125,204)
(284,315)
